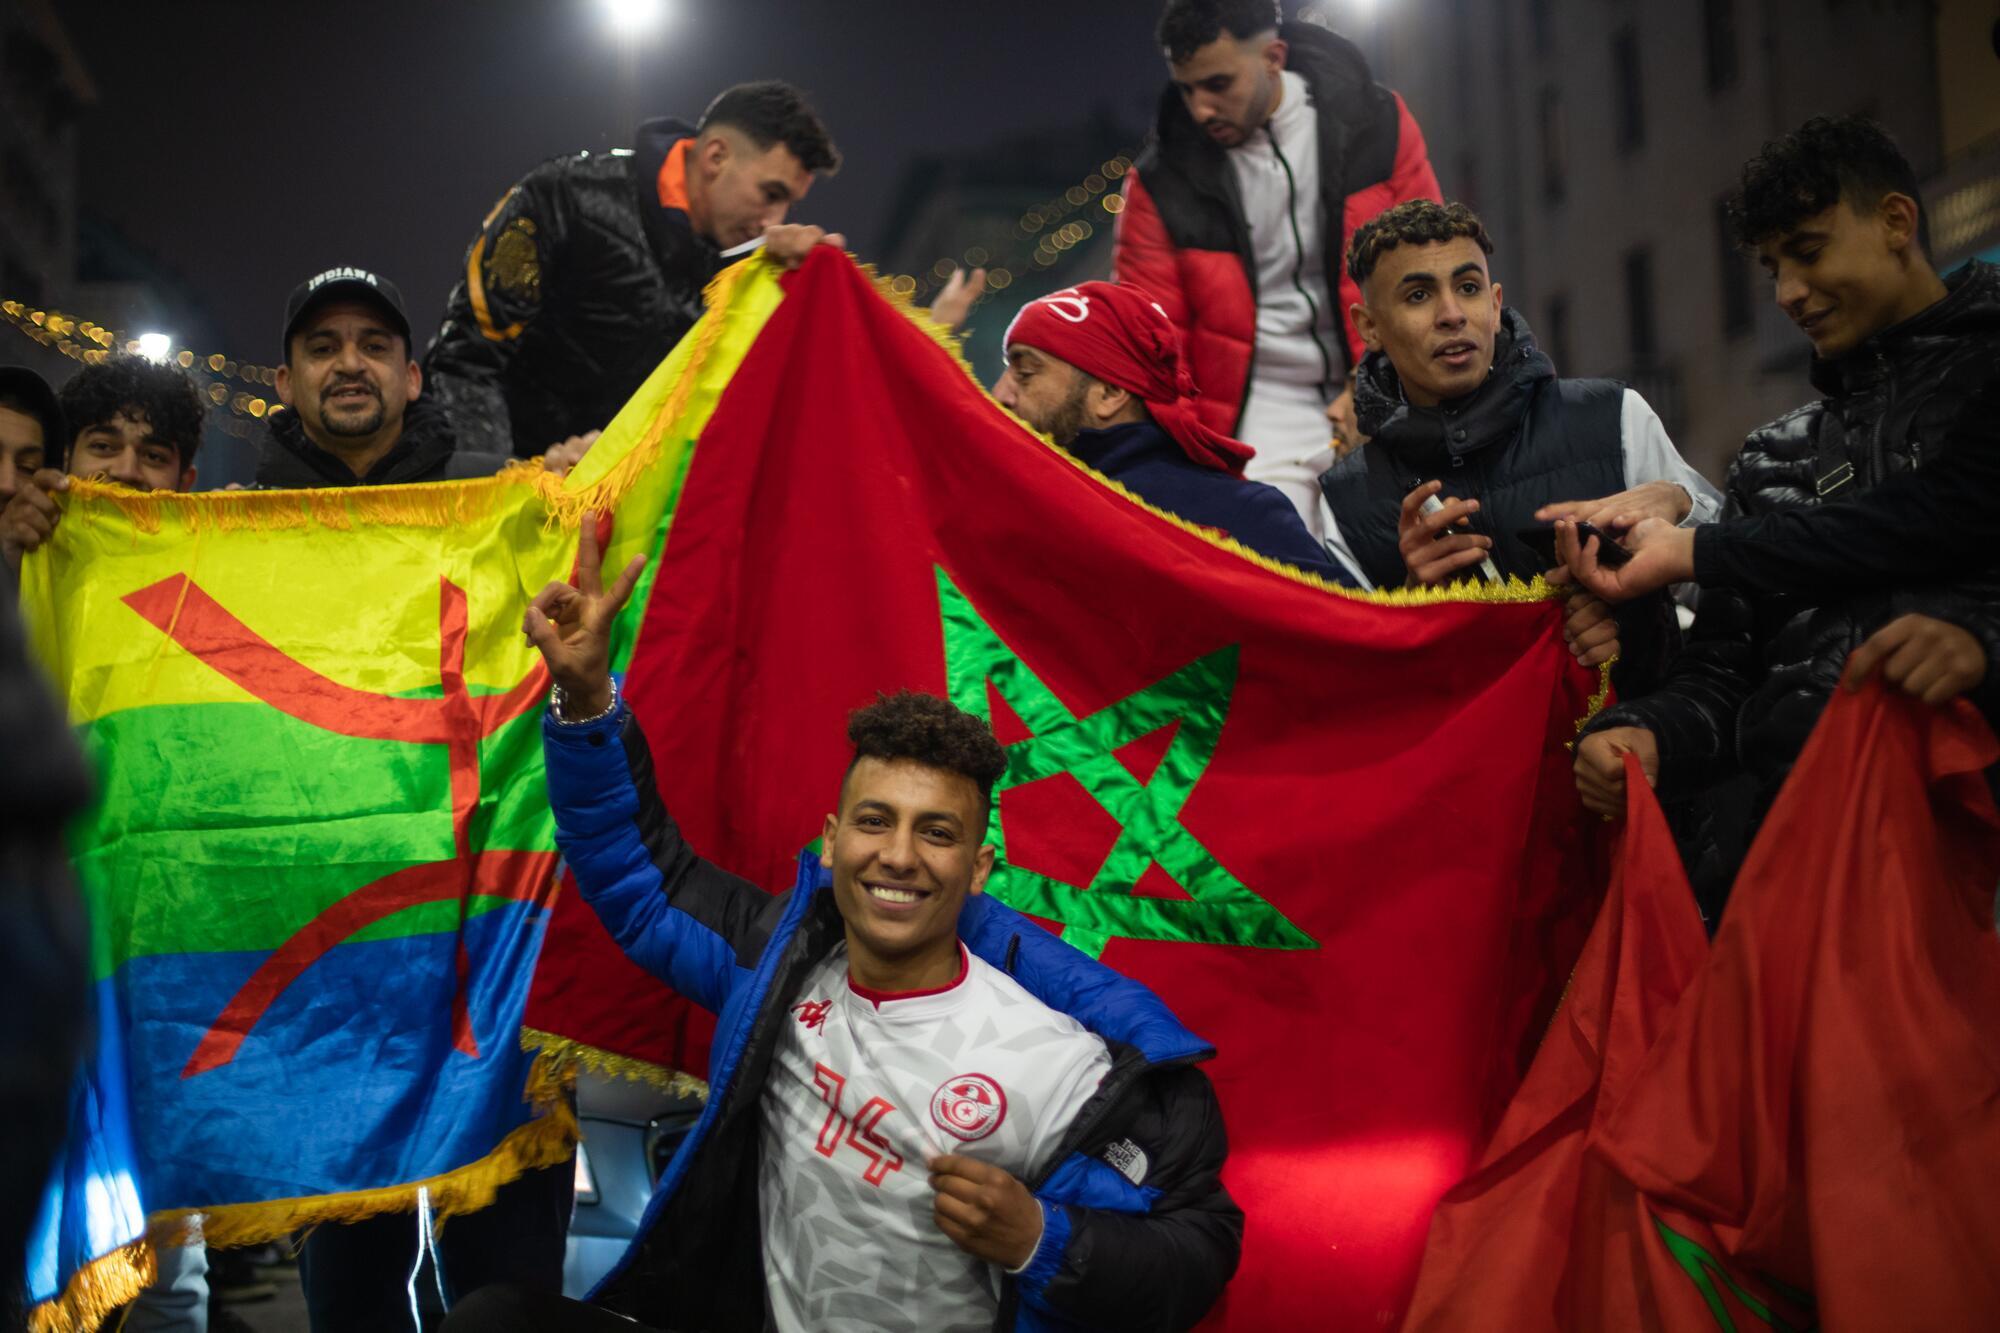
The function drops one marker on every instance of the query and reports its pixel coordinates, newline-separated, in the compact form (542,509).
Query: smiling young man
(1457,401)
(1901,355)
(924,1112)
(589,270)
(1272,144)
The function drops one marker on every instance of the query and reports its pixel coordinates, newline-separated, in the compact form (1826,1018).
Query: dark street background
(249,145)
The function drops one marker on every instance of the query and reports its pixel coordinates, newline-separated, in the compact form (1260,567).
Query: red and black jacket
(1182,234)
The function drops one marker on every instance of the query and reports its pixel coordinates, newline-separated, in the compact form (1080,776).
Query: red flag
(1332,832)
(1827,1097)
(1544,1235)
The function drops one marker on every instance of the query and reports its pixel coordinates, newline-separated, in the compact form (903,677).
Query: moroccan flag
(1827,1096)
(1544,1235)
(1337,833)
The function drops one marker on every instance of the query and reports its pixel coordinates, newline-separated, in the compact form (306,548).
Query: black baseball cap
(25,387)
(349,284)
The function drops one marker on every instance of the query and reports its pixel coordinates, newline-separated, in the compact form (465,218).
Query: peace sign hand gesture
(572,626)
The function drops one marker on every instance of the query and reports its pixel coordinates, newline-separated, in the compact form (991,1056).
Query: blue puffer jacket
(1138,1233)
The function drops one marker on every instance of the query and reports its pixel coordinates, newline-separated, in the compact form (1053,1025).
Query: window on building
(1554,152)
(1641,323)
(1555,334)
(1733,267)
(1627,97)
(1718,37)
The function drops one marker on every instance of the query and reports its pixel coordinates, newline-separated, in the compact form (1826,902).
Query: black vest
(1565,445)
(1522,440)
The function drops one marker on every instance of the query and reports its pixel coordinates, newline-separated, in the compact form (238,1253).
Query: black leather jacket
(1759,665)
(578,284)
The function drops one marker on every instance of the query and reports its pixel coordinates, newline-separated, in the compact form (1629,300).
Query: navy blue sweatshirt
(1146,461)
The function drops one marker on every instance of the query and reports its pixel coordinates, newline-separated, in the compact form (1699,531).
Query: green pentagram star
(1220,908)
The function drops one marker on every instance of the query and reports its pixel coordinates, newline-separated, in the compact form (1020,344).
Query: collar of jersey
(879,997)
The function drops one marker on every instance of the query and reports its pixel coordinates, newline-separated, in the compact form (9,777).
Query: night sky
(251,144)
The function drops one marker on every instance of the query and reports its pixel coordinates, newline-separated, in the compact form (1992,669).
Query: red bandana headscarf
(1119,334)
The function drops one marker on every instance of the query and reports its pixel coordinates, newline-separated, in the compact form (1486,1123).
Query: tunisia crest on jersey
(968,1106)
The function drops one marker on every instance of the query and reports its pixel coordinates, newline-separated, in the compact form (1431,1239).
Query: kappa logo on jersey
(968,1106)
(813,1013)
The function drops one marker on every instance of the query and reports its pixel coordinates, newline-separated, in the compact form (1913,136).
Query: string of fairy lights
(1037,242)
(218,376)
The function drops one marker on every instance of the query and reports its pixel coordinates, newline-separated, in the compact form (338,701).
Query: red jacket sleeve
(1410,177)
(1142,254)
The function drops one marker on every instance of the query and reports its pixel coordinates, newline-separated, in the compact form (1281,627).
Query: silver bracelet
(558,699)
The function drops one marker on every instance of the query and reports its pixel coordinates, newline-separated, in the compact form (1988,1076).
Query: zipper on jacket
(1299,263)
(1224,192)
(1878,453)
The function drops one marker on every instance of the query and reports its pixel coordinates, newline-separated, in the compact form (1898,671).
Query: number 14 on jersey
(861,1133)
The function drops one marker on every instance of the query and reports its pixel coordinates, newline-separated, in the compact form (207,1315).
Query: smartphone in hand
(1542,541)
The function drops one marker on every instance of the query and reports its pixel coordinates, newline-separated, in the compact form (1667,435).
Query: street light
(632,23)
(155,346)
(633,18)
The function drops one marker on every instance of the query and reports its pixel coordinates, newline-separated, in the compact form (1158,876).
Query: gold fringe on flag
(96,1290)
(437,504)
(568,507)
(1513,591)
(544,1141)
(558,1058)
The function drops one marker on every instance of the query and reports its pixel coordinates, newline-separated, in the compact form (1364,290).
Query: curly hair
(160,393)
(1415,222)
(773,113)
(1822,162)
(1188,25)
(932,731)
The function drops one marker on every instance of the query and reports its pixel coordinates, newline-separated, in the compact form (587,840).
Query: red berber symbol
(197,622)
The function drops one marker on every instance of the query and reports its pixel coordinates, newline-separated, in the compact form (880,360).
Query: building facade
(1600,138)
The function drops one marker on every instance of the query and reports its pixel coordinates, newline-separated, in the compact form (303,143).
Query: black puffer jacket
(1521,440)
(578,284)
(1759,667)
(287,460)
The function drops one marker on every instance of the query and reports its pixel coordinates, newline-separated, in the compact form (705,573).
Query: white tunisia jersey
(861,1094)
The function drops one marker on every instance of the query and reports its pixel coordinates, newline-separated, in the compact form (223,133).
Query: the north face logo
(1128,1158)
